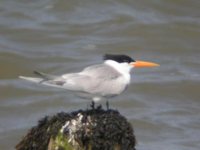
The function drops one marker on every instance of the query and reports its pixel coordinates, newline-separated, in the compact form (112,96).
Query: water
(59,36)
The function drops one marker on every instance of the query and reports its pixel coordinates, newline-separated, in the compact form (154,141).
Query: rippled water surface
(59,36)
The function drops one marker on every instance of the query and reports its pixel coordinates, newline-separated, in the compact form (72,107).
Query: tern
(96,82)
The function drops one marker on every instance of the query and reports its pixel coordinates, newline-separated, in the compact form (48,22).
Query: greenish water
(58,36)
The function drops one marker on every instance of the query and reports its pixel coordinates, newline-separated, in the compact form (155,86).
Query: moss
(38,137)
(91,129)
(60,142)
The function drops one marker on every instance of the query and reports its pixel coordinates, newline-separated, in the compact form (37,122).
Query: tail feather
(51,83)
(45,79)
(32,79)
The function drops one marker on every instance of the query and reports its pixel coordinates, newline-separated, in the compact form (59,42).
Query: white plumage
(96,82)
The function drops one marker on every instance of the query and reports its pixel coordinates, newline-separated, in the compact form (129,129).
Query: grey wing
(92,79)
(101,71)
(103,78)
(77,82)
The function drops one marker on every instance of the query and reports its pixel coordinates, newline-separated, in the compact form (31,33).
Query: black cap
(118,58)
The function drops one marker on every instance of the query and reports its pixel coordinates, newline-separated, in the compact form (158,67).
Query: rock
(91,129)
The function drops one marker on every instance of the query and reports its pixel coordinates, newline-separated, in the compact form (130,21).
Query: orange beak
(141,64)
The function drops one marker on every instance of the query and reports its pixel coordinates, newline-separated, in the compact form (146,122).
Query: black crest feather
(118,58)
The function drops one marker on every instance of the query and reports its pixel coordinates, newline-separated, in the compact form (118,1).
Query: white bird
(95,82)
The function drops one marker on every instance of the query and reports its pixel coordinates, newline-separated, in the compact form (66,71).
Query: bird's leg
(92,105)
